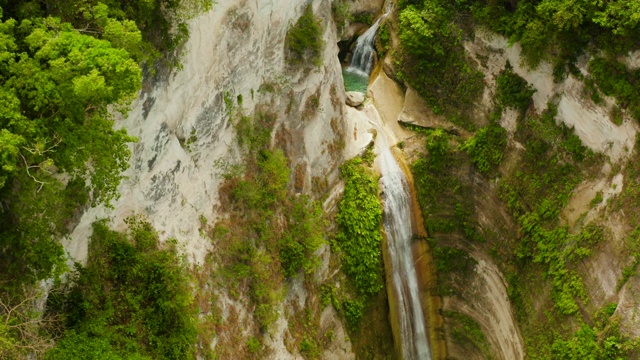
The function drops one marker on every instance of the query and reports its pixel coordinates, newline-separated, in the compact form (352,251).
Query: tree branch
(42,183)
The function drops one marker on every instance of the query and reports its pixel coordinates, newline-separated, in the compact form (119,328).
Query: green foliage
(304,39)
(594,343)
(309,348)
(536,194)
(341,14)
(56,86)
(254,345)
(145,28)
(305,234)
(272,234)
(614,79)
(328,296)
(359,219)
(432,60)
(596,200)
(560,30)
(512,90)
(364,18)
(486,148)
(255,132)
(132,300)
(465,330)
(449,260)
(63,64)
(384,35)
(353,311)
(438,150)
(446,204)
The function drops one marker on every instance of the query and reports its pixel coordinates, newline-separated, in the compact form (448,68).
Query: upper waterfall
(362,57)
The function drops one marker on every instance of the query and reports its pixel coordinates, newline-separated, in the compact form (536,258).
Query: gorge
(480,202)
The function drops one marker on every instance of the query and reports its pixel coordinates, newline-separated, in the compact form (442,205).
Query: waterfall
(397,224)
(362,56)
(399,230)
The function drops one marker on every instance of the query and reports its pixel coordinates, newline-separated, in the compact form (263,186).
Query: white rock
(354,98)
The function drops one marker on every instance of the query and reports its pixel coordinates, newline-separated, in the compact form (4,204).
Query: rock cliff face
(235,58)
(234,63)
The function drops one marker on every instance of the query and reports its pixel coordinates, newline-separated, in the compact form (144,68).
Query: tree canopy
(65,68)
(56,86)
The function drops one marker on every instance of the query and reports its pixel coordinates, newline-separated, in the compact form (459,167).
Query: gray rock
(354,98)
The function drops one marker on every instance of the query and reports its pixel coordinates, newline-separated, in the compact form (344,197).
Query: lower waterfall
(399,231)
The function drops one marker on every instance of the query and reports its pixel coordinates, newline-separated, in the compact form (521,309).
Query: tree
(56,86)
(621,16)
(25,331)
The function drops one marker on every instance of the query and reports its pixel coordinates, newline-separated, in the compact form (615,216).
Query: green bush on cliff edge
(304,40)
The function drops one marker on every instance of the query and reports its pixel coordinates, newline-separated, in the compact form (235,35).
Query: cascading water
(362,56)
(399,230)
(397,216)
(397,223)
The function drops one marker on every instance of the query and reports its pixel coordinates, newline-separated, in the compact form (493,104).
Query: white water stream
(399,231)
(362,56)
(397,216)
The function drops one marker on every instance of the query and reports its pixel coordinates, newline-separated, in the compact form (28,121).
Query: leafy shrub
(595,343)
(304,39)
(309,347)
(449,260)
(486,148)
(465,330)
(132,299)
(353,311)
(341,14)
(359,219)
(364,18)
(433,61)
(614,79)
(537,193)
(254,345)
(384,39)
(559,31)
(438,149)
(304,235)
(513,91)
(272,233)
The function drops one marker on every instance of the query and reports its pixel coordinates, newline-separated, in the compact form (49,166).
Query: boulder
(354,98)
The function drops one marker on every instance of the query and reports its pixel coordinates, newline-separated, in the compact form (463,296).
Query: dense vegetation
(131,300)
(63,64)
(486,148)
(359,294)
(546,252)
(65,68)
(57,84)
(360,219)
(304,39)
(512,91)
(432,60)
(147,29)
(616,80)
(560,30)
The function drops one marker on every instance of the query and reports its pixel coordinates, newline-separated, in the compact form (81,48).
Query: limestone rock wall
(234,63)
(185,129)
